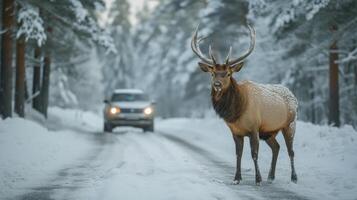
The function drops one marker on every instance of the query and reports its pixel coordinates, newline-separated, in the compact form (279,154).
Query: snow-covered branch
(75,61)
(33,60)
(315,69)
(3,31)
(32,97)
(350,57)
(80,12)
(31,25)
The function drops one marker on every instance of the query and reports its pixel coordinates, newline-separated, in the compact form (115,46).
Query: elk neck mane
(230,104)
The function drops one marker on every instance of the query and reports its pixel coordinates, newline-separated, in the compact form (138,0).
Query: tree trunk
(6,59)
(36,82)
(46,75)
(45,83)
(312,98)
(20,76)
(334,111)
(26,91)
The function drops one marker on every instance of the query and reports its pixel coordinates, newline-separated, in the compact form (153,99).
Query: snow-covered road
(183,159)
(130,164)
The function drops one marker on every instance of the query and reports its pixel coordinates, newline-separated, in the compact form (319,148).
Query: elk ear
(205,67)
(237,67)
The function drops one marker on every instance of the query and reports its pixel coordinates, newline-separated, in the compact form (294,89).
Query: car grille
(131,110)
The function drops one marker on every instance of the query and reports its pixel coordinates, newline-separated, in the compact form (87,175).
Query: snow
(211,7)
(352,55)
(132,104)
(314,8)
(184,159)
(31,25)
(135,91)
(269,91)
(324,156)
(75,119)
(291,10)
(60,95)
(30,152)
(78,9)
(156,169)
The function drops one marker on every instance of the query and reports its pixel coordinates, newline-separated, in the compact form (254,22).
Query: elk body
(250,109)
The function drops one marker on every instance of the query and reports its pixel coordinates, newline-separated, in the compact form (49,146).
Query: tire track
(72,178)
(223,170)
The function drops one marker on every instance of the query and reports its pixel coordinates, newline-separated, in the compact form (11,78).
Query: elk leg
(274,145)
(239,143)
(254,146)
(289,139)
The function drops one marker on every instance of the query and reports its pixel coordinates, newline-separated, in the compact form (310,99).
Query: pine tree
(8,7)
(20,76)
(119,68)
(334,108)
(75,23)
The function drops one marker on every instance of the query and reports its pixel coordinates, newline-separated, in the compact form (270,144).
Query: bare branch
(350,57)
(32,97)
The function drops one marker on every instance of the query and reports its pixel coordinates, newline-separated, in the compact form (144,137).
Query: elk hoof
(294,178)
(271,178)
(238,177)
(235,182)
(258,183)
(258,180)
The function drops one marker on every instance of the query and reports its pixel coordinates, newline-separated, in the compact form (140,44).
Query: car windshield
(129,97)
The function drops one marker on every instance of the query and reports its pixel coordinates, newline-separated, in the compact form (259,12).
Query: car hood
(133,104)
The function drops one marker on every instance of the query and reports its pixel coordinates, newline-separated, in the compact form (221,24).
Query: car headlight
(114,110)
(148,111)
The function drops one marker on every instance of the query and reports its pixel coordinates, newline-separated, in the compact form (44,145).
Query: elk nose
(217,84)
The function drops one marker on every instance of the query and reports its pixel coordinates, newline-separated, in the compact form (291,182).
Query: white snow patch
(154,168)
(77,119)
(269,90)
(78,9)
(29,154)
(31,25)
(324,156)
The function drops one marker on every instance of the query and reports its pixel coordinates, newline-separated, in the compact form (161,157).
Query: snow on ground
(30,152)
(325,157)
(149,167)
(71,158)
(75,119)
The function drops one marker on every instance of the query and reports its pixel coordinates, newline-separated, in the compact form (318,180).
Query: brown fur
(258,114)
(230,105)
(250,109)
(247,112)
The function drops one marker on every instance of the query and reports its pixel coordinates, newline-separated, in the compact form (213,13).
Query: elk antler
(211,55)
(251,47)
(229,55)
(196,49)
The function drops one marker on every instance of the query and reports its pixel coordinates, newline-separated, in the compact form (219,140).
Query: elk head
(221,73)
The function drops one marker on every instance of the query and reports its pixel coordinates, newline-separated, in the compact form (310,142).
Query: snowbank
(75,119)
(29,153)
(325,156)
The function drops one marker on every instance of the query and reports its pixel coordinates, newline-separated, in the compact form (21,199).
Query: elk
(258,111)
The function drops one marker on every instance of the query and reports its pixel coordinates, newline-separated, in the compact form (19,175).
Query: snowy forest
(108,99)
(74,53)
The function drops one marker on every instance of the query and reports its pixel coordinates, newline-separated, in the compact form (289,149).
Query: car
(129,107)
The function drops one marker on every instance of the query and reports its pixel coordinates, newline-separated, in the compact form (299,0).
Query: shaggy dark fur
(230,104)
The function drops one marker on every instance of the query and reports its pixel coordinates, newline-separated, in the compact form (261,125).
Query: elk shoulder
(269,108)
